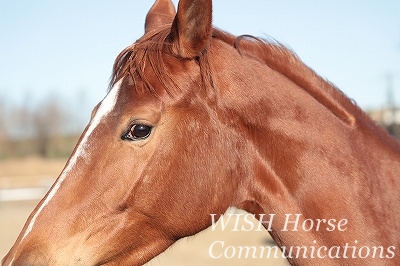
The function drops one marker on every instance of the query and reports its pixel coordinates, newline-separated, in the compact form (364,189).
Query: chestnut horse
(197,120)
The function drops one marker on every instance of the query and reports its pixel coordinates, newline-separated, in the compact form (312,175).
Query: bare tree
(49,124)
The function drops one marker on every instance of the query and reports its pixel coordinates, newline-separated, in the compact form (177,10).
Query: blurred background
(56,60)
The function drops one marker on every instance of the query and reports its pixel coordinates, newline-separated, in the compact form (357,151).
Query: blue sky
(67,48)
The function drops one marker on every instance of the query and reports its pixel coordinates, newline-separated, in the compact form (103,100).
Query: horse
(197,120)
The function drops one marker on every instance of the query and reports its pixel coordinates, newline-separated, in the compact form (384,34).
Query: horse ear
(191,29)
(161,13)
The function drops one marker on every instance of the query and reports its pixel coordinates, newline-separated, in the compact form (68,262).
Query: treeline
(47,129)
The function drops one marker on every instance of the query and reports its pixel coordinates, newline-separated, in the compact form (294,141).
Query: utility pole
(389,90)
(390,105)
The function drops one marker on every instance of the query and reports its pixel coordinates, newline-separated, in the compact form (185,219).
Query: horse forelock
(133,60)
(148,52)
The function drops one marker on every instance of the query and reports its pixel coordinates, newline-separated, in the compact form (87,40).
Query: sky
(67,48)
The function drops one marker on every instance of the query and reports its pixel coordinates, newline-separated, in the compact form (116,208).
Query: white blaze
(105,107)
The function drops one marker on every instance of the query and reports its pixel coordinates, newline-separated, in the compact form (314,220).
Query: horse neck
(311,154)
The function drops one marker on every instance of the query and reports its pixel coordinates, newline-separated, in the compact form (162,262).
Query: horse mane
(148,51)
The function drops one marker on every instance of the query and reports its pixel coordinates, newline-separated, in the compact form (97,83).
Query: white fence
(19,194)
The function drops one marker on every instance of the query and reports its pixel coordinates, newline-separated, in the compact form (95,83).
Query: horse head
(197,120)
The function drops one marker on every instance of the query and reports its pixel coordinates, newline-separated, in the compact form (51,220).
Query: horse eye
(138,132)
